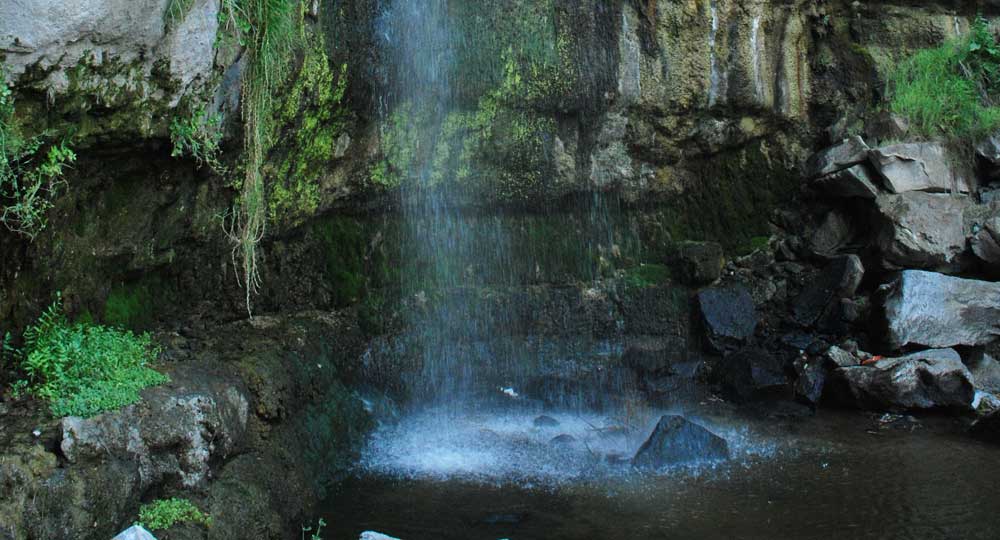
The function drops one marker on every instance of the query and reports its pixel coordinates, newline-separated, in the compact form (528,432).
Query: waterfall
(758,76)
(715,76)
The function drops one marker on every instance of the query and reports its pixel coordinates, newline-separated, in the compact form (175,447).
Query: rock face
(854,181)
(922,230)
(677,441)
(933,379)
(699,263)
(918,167)
(935,310)
(728,314)
(985,372)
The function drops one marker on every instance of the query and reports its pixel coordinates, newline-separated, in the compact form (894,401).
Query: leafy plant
(314,535)
(200,137)
(951,91)
(165,513)
(85,369)
(31,171)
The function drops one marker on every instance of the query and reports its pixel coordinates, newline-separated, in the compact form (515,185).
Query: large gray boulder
(922,230)
(854,181)
(985,371)
(919,167)
(933,379)
(849,152)
(677,441)
(935,310)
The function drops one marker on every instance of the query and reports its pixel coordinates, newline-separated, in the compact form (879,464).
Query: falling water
(715,76)
(758,76)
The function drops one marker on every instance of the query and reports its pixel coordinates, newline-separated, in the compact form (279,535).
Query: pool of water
(833,476)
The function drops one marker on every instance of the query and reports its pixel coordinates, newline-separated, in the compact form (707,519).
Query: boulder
(931,379)
(751,374)
(988,153)
(840,279)
(922,230)
(854,181)
(985,371)
(848,152)
(676,441)
(985,242)
(698,263)
(729,316)
(918,167)
(545,421)
(835,357)
(811,377)
(372,535)
(935,310)
(832,234)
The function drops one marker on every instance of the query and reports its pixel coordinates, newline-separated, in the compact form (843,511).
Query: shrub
(31,170)
(85,369)
(951,91)
(200,137)
(165,513)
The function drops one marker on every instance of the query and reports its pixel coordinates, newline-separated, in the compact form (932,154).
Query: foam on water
(507,447)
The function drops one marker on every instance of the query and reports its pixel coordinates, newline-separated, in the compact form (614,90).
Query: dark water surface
(836,476)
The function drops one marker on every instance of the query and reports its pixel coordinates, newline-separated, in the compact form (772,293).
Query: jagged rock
(850,151)
(676,441)
(811,377)
(835,357)
(922,230)
(987,428)
(935,310)
(752,373)
(545,421)
(918,167)
(988,153)
(832,234)
(135,532)
(985,371)
(924,380)
(986,242)
(854,181)
(698,263)
(840,279)
(729,316)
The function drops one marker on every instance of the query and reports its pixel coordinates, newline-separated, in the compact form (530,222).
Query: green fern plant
(200,137)
(165,513)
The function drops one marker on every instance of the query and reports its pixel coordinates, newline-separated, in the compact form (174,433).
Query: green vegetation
(84,369)
(270,32)
(165,513)
(951,90)
(647,275)
(129,307)
(176,11)
(31,170)
(314,535)
(200,137)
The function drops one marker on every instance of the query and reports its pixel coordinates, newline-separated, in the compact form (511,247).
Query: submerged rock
(372,535)
(545,421)
(930,379)
(811,380)
(729,316)
(563,439)
(935,310)
(675,440)
(922,230)
(918,167)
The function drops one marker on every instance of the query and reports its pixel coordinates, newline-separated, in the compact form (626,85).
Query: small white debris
(509,392)
(37,433)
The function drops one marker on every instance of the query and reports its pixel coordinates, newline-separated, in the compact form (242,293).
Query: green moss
(130,306)
(314,117)
(165,513)
(343,242)
(647,275)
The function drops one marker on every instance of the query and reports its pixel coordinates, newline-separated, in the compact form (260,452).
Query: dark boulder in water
(545,421)
(675,441)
